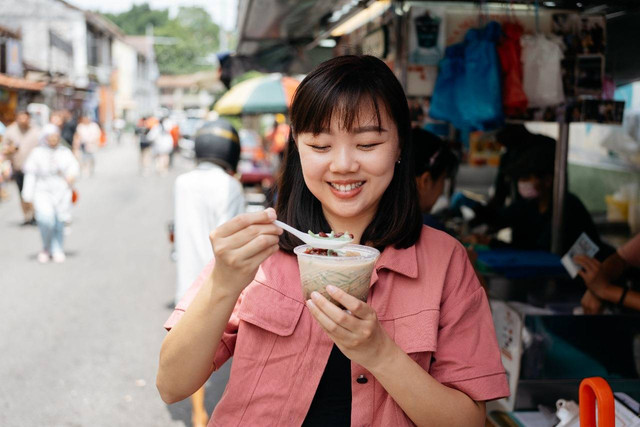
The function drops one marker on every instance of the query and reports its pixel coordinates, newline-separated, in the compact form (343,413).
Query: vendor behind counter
(530,214)
(434,163)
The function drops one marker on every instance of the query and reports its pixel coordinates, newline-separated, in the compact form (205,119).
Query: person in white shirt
(87,141)
(50,172)
(162,145)
(205,198)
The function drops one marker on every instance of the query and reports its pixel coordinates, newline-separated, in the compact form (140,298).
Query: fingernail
(271,213)
(315,295)
(331,289)
(310,304)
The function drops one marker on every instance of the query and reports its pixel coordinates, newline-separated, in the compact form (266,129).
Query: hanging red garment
(513,96)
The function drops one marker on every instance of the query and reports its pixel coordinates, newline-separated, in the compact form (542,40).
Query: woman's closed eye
(369,146)
(319,147)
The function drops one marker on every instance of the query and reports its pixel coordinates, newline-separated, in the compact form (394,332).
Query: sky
(222,11)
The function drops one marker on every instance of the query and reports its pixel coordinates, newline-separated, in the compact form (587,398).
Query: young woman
(434,163)
(421,350)
(50,172)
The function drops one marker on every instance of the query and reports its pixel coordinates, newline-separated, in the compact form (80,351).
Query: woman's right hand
(240,246)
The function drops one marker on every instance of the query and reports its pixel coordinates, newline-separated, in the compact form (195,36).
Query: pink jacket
(427,298)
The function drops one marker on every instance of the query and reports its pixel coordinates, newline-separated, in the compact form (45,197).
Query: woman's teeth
(347,187)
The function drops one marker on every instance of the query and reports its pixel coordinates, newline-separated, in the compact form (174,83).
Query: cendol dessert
(348,268)
(346,236)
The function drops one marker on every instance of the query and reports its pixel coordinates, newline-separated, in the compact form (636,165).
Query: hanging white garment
(542,73)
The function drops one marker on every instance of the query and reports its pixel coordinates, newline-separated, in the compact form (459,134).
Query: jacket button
(362,379)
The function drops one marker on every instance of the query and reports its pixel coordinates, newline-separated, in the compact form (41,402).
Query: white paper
(583,246)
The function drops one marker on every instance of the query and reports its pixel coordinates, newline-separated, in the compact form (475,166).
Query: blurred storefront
(195,91)
(15,91)
(78,59)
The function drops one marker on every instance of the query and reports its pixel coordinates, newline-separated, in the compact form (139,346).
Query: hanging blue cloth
(444,104)
(468,92)
(480,100)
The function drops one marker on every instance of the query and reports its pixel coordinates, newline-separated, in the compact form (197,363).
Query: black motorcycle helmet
(218,142)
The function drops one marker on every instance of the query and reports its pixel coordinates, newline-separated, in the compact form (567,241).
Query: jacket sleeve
(228,341)
(467,357)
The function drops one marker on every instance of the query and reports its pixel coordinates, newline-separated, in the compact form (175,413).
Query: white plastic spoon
(316,242)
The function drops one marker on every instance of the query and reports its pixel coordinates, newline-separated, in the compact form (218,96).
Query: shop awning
(273,32)
(17,83)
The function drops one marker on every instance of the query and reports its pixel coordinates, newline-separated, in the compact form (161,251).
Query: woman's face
(349,171)
(429,191)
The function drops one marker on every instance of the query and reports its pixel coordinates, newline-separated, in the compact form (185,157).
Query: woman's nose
(344,161)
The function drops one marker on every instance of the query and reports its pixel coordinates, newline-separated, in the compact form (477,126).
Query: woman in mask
(530,215)
(50,172)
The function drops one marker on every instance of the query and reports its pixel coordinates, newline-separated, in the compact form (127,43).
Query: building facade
(76,54)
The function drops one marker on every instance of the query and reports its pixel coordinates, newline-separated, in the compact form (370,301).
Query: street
(80,340)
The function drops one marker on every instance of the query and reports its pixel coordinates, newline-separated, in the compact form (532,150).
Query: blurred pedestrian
(50,173)
(162,145)
(146,144)
(86,142)
(57,119)
(68,129)
(277,140)
(205,198)
(20,138)
(118,126)
(5,166)
(174,130)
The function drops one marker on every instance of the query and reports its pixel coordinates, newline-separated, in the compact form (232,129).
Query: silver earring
(398,162)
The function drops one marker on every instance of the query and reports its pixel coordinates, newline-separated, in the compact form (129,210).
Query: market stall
(468,69)
(250,102)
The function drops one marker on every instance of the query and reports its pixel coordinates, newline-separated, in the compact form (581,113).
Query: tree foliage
(135,20)
(188,42)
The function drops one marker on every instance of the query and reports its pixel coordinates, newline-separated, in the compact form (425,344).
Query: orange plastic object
(596,391)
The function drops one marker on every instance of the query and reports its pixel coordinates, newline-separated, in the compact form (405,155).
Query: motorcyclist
(205,198)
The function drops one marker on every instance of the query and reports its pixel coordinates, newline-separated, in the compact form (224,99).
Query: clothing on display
(542,72)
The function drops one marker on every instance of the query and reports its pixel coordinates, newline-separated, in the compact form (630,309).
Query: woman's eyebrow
(358,130)
(365,129)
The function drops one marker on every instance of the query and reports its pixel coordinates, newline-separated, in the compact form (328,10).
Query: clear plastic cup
(352,274)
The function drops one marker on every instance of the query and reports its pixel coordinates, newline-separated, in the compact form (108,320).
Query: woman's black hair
(433,155)
(537,160)
(339,87)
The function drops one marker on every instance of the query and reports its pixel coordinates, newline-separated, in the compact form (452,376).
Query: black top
(331,405)
(531,230)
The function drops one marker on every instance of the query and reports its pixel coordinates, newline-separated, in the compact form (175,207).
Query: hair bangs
(345,97)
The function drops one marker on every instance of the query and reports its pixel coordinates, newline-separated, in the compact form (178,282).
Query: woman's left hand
(357,334)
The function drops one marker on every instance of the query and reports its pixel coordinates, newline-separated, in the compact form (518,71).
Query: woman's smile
(346,189)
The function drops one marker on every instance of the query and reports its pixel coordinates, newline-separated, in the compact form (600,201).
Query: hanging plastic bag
(444,101)
(542,75)
(514,99)
(480,96)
